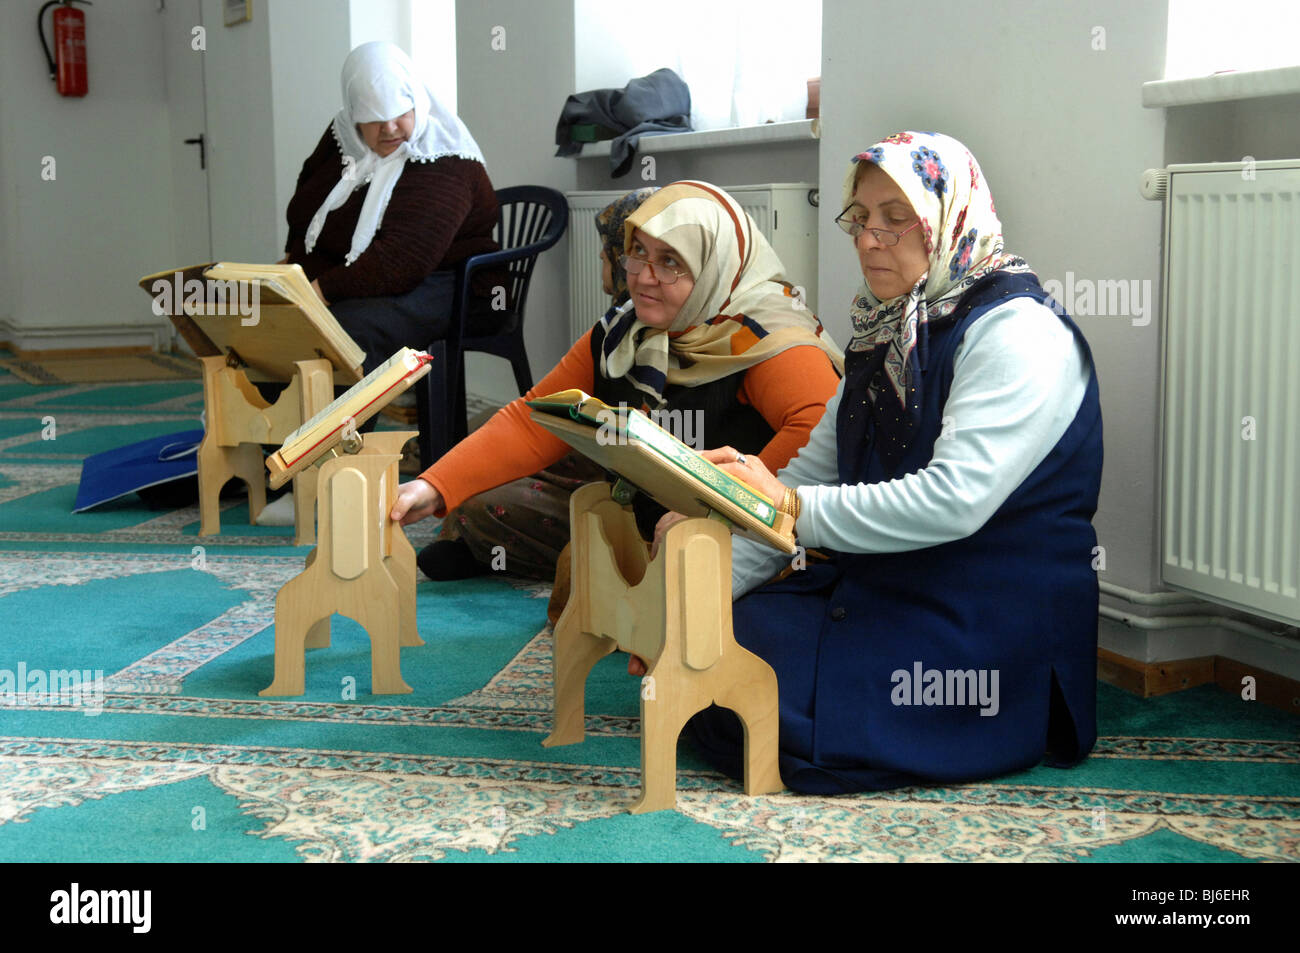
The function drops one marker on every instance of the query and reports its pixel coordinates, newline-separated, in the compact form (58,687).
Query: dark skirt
(527,518)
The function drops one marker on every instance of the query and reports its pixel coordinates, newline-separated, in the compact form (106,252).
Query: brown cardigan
(440,213)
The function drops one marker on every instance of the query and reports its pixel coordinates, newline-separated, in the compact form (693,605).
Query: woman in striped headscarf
(530,515)
(711,329)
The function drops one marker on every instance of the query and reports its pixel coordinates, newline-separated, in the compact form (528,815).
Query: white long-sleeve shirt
(1019,377)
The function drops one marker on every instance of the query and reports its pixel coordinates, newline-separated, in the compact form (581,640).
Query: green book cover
(624,423)
(640,427)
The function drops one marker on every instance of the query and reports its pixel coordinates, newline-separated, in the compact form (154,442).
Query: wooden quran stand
(239,421)
(290,336)
(674,611)
(363,567)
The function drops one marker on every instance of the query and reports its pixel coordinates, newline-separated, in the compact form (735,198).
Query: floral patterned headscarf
(609,223)
(963,239)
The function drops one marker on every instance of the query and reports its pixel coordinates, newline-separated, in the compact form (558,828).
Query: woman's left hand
(751,471)
(315,286)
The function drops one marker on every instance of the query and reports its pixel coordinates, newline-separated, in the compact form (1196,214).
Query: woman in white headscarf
(393,197)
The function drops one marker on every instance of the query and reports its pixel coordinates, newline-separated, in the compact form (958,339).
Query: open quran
(630,444)
(358,404)
(261,318)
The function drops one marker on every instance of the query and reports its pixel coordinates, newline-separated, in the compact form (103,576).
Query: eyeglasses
(666,275)
(883,235)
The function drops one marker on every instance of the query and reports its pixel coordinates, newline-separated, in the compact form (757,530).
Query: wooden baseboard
(1149,679)
(1273,690)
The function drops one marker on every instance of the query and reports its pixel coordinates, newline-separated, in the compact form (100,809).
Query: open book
(630,444)
(362,401)
(263,317)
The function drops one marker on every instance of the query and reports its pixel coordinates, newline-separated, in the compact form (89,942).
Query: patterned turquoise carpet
(186,762)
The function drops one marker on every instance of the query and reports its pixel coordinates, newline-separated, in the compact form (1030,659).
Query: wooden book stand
(238,421)
(674,611)
(363,567)
(291,337)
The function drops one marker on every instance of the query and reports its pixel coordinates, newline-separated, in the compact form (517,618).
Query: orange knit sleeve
(510,445)
(790,392)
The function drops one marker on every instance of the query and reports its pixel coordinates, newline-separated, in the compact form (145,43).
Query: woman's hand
(752,471)
(666,522)
(315,286)
(283,261)
(415,501)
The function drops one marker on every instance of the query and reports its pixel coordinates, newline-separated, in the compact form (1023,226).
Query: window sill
(799,130)
(1221,87)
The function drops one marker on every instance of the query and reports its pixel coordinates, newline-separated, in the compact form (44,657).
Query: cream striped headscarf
(741,311)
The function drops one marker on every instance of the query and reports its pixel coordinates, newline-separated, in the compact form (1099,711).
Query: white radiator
(784,212)
(1231,429)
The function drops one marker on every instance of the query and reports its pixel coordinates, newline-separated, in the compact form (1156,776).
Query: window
(1210,36)
(746,62)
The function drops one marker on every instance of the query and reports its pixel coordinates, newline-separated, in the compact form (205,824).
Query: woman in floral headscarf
(711,329)
(610,225)
(953,633)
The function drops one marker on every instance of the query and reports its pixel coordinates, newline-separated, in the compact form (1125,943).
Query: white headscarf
(380,83)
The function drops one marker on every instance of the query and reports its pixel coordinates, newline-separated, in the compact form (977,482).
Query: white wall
(510,98)
(425,29)
(388,20)
(1265,128)
(241,136)
(272,88)
(433,47)
(309,40)
(8,218)
(73,248)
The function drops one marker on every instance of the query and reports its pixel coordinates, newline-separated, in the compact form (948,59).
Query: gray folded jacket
(649,105)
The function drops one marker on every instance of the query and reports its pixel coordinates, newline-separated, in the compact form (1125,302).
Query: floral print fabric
(963,239)
(609,223)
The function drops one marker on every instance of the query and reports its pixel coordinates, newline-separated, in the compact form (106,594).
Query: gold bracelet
(790,503)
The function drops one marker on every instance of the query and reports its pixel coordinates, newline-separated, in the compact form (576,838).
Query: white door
(183,61)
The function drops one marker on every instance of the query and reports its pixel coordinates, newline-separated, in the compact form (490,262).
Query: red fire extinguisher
(68,64)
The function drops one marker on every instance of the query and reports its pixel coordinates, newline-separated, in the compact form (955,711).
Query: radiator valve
(1155,185)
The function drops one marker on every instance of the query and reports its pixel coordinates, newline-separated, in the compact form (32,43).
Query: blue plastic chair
(532,219)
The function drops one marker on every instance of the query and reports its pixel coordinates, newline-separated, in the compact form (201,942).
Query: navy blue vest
(1015,601)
